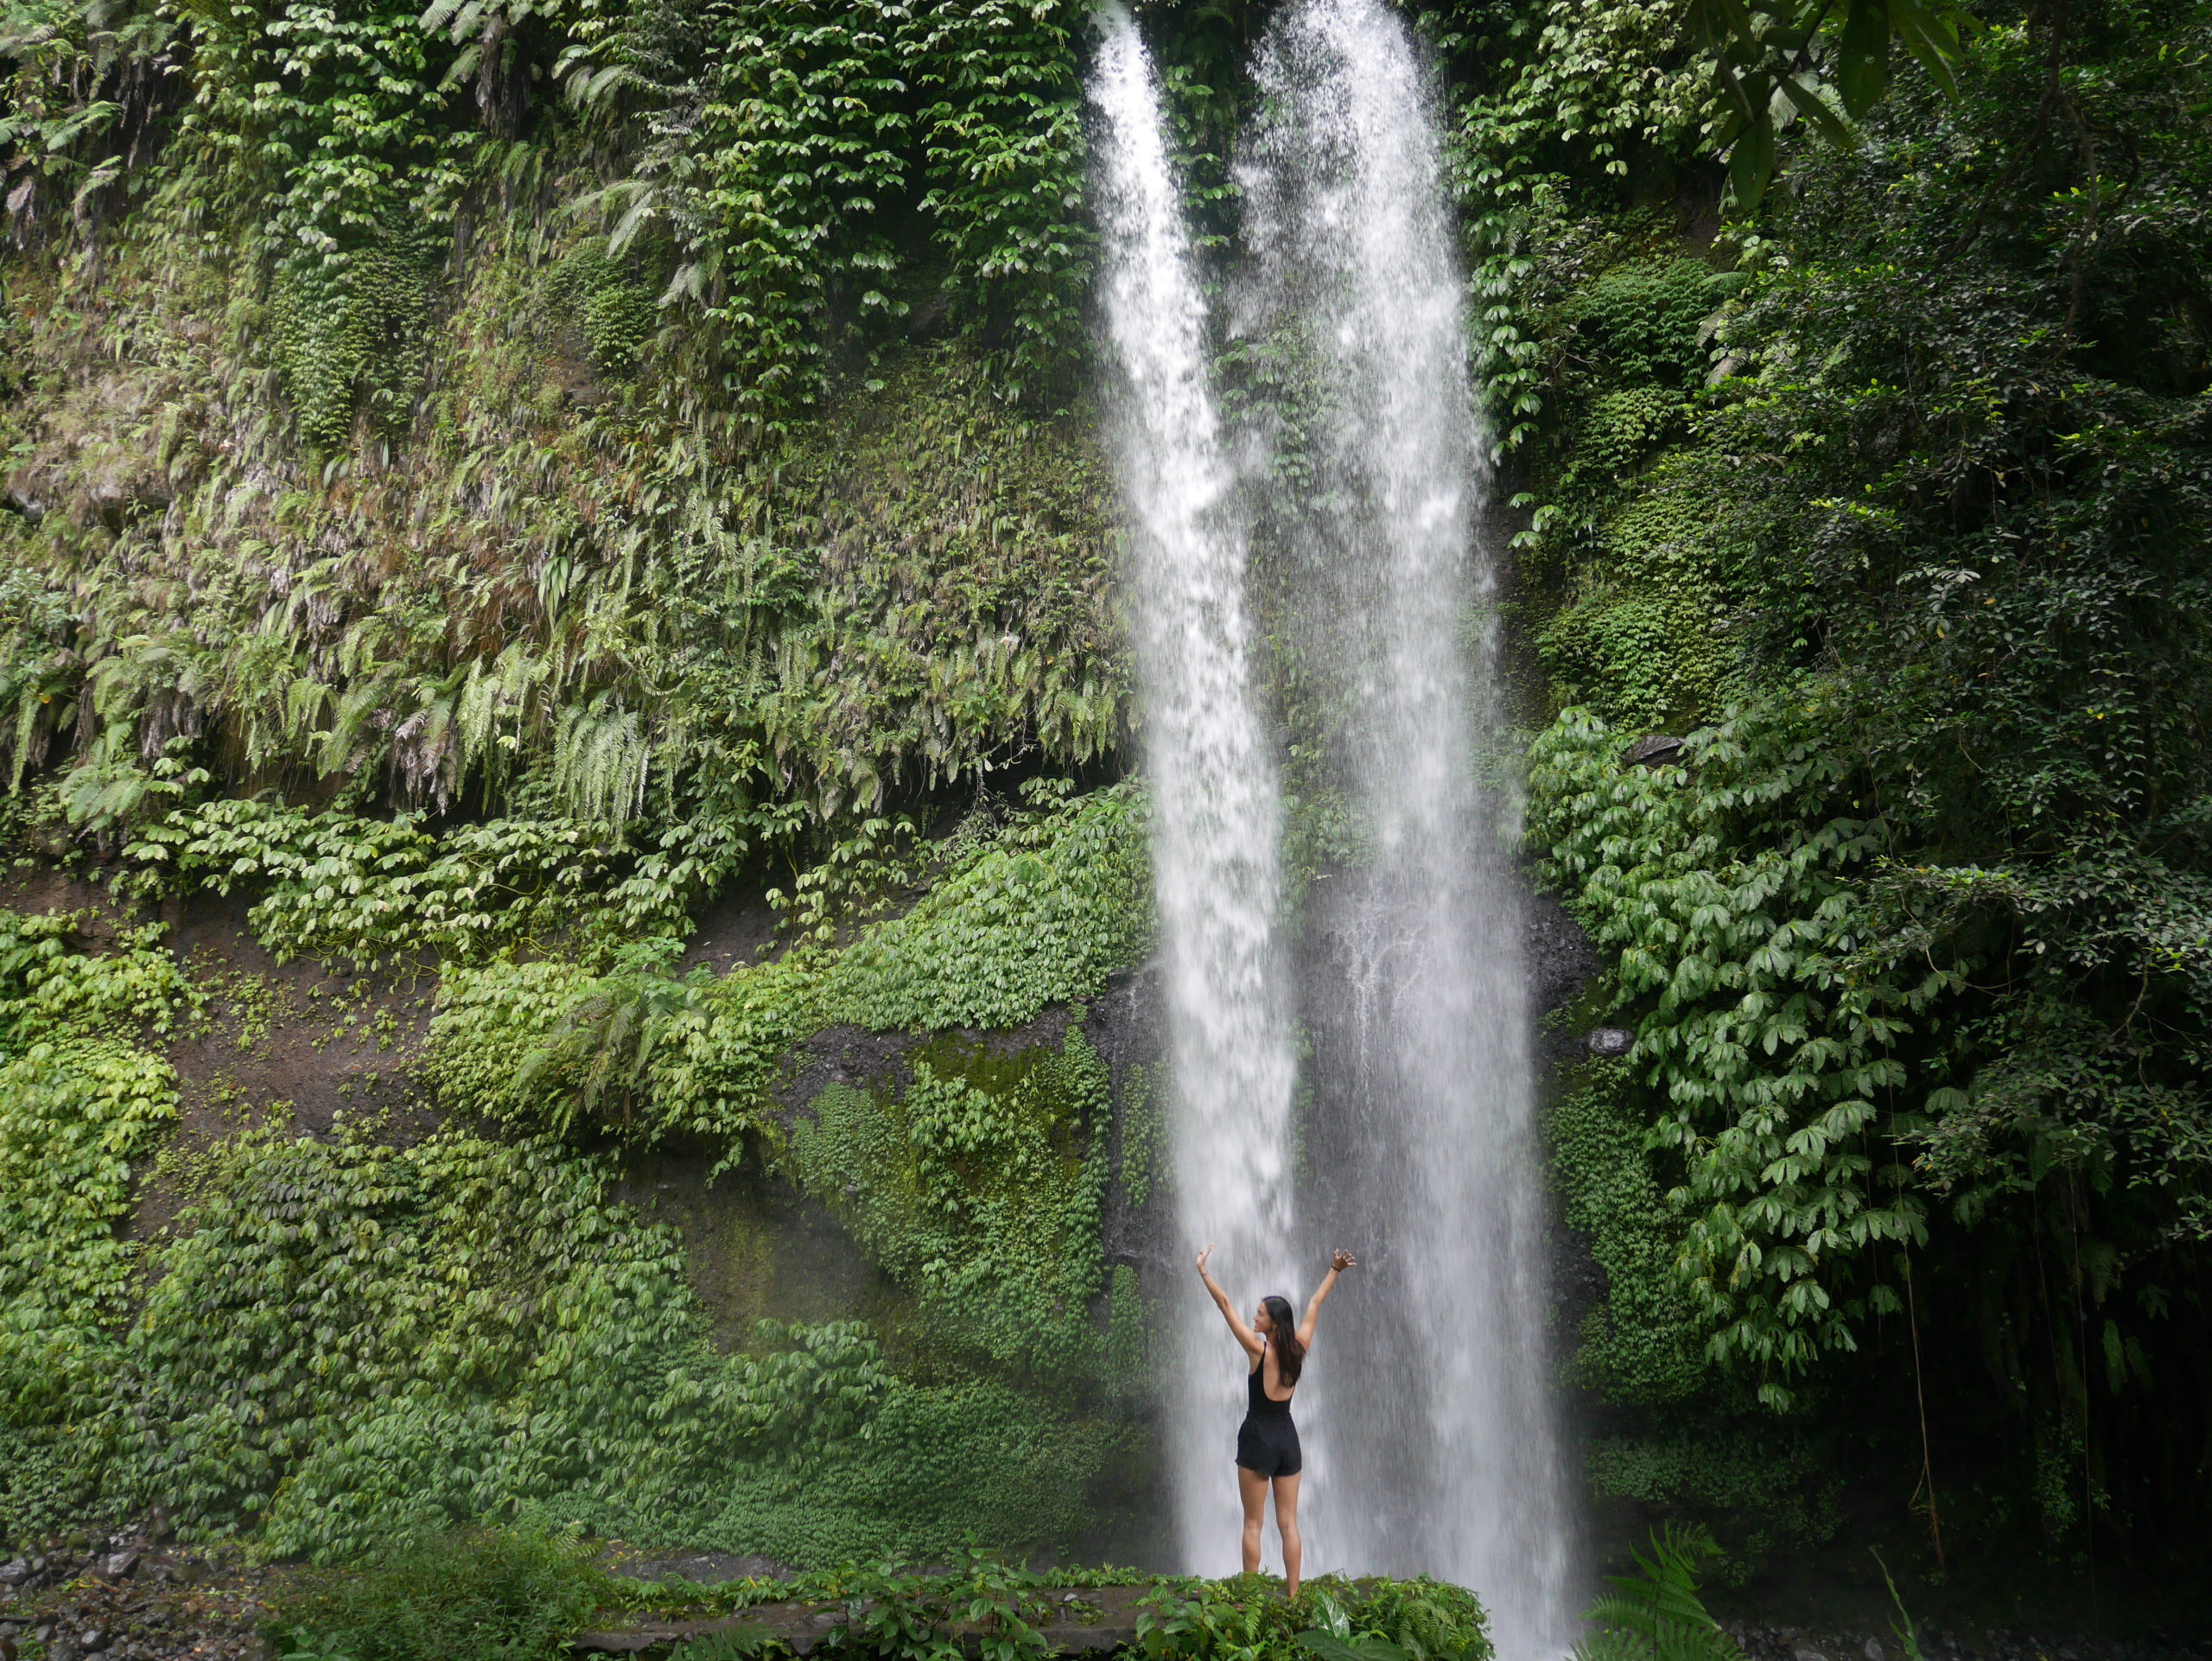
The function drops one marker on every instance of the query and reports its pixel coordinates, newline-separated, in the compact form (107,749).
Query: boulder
(1609,1040)
(1656,751)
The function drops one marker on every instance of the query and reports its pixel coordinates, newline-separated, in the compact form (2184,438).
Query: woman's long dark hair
(1290,1354)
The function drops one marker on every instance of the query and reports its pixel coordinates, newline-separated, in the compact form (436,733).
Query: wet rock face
(1658,750)
(700,1568)
(1126,1024)
(1561,962)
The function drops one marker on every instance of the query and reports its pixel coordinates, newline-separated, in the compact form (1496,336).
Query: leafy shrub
(46,1486)
(1246,1615)
(72,1117)
(778,145)
(1643,1347)
(1002,138)
(500,1594)
(79,1102)
(466,1319)
(351,1342)
(1041,914)
(1769,1490)
(51,988)
(1732,890)
(381,892)
(943,1466)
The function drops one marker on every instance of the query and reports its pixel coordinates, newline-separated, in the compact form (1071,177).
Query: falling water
(1435,1448)
(1214,795)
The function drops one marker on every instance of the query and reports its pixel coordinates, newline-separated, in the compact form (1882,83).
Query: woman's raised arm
(1338,1261)
(1245,1335)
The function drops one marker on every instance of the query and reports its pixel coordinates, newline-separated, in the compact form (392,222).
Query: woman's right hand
(1341,1261)
(1205,1252)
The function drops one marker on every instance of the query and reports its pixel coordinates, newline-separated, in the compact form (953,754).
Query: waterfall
(1429,1427)
(1215,807)
(1435,1448)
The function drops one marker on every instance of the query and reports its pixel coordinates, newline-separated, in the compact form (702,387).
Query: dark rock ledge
(1086,1620)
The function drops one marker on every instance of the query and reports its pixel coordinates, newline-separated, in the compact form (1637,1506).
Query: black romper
(1266,1441)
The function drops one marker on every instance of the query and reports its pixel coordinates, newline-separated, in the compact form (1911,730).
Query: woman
(1266,1442)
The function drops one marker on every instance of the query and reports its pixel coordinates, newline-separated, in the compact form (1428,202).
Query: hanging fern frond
(601,761)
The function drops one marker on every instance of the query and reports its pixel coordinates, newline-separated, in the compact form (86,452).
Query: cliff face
(560,675)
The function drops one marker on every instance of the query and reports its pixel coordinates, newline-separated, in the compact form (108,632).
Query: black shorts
(1268,1444)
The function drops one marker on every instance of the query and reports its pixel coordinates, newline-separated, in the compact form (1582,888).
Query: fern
(1656,1613)
(601,761)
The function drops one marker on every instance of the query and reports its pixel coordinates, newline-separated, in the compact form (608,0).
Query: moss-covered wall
(271,1264)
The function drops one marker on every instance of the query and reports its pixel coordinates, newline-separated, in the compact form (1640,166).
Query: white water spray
(1438,1450)
(1214,796)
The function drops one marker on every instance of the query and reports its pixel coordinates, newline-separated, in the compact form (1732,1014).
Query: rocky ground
(130,1596)
(1764,1643)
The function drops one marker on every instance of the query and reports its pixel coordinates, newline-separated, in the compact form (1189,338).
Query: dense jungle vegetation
(490,488)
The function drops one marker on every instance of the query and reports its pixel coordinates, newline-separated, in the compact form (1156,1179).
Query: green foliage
(327,127)
(539,1044)
(597,618)
(1770,1494)
(1233,1619)
(1925,554)
(74,102)
(942,1465)
(50,990)
(79,1102)
(460,1329)
(72,1117)
(617,313)
(783,145)
(478,1322)
(517,1591)
(733,1644)
(779,142)
(1764,56)
(382,892)
(1643,1347)
(1907,1630)
(1556,99)
(979,1188)
(1366,1647)
(1003,137)
(1655,1614)
(490,1595)
(45,1488)
(1039,913)
(1625,551)
(351,1342)
(913,1618)
(349,339)
(1731,889)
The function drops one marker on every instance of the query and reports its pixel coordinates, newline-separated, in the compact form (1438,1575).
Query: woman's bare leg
(1252,1489)
(1294,1552)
